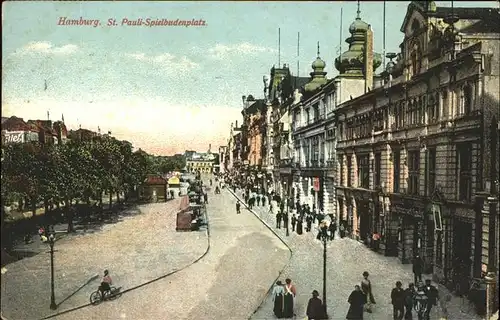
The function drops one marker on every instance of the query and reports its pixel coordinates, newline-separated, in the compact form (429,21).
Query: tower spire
(358,12)
(318,49)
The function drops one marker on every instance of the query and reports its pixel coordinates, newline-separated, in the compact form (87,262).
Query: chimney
(236,126)
(369,59)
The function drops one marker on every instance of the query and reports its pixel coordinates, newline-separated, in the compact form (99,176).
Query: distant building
(200,162)
(16,130)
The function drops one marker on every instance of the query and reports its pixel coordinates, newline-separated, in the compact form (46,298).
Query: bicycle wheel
(114,293)
(95,298)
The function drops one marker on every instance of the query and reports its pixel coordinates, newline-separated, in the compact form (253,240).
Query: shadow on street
(79,288)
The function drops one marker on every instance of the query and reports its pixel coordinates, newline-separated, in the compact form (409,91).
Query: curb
(146,283)
(280,238)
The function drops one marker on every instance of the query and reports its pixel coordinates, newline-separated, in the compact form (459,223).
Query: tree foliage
(77,170)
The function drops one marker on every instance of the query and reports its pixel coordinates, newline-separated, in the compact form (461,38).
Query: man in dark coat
(432,294)
(258,200)
(315,310)
(409,296)
(278,219)
(309,220)
(263,200)
(398,301)
(356,300)
(332,228)
(284,217)
(294,221)
(238,207)
(418,268)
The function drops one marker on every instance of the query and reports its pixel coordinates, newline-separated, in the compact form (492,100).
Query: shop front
(415,229)
(367,214)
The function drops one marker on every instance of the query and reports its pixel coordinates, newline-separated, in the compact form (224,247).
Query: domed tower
(358,63)
(318,75)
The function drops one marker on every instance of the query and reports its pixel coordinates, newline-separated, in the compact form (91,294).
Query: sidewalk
(346,261)
(139,248)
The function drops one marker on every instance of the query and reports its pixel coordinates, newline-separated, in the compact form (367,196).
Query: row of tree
(77,171)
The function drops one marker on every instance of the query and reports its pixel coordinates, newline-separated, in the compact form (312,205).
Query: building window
(413,171)
(444,102)
(439,249)
(467,99)
(377,173)
(464,162)
(433,107)
(400,115)
(396,159)
(315,149)
(316,112)
(378,121)
(423,107)
(308,117)
(349,169)
(431,171)
(341,169)
(363,171)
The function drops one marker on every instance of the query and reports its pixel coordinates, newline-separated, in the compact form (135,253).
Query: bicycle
(97,297)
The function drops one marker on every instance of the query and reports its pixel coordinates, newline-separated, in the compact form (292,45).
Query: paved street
(347,259)
(228,283)
(140,248)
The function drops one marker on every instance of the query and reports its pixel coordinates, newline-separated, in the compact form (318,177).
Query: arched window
(415,25)
(467,99)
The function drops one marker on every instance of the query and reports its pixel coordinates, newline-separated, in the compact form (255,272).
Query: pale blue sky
(171,88)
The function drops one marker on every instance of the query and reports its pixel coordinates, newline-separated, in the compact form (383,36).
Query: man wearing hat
(315,309)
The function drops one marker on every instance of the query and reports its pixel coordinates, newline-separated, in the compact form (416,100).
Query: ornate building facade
(416,156)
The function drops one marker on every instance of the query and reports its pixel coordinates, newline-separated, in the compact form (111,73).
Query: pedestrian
(409,296)
(278,299)
(309,220)
(172,194)
(258,200)
(299,225)
(432,294)
(398,301)
(356,301)
(205,197)
(285,220)
(278,219)
(294,221)
(315,309)
(418,266)
(263,200)
(238,207)
(290,293)
(210,182)
(366,287)
(342,229)
(376,240)
(332,228)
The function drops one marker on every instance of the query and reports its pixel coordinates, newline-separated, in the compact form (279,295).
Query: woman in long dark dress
(299,225)
(356,300)
(278,299)
(290,293)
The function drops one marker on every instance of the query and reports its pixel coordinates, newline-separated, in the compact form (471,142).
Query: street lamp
(324,236)
(51,241)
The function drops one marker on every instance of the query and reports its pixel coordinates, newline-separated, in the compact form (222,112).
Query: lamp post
(51,241)
(324,236)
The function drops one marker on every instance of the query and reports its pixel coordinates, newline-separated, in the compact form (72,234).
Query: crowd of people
(417,296)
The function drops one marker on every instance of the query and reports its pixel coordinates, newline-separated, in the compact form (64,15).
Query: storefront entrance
(364,220)
(462,238)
